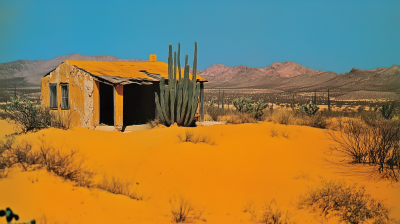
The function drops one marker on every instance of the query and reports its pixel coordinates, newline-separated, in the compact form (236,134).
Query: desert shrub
(276,133)
(153,123)
(214,112)
(207,117)
(66,165)
(31,116)
(350,203)
(273,215)
(387,111)
(257,109)
(309,109)
(244,105)
(369,117)
(317,121)
(360,109)
(270,213)
(238,118)
(189,136)
(3,115)
(376,145)
(180,209)
(12,153)
(282,117)
(118,186)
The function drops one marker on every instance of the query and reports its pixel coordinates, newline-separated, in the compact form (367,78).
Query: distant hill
(291,76)
(288,76)
(30,72)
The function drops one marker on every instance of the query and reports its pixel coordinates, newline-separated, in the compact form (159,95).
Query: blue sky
(323,35)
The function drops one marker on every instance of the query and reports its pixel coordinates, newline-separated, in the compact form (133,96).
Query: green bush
(31,116)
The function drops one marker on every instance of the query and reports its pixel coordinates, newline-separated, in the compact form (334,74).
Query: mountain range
(287,76)
(290,76)
(30,72)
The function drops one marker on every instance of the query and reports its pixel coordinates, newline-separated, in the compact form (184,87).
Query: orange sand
(245,164)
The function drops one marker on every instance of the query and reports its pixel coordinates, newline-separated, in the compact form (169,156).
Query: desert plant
(270,213)
(242,104)
(214,111)
(350,203)
(12,153)
(309,109)
(282,117)
(153,123)
(257,109)
(238,118)
(189,136)
(375,145)
(317,121)
(180,209)
(387,111)
(118,186)
(66,165)
(31,116)
(178,100)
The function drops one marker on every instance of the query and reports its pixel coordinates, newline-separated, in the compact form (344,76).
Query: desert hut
(94,93)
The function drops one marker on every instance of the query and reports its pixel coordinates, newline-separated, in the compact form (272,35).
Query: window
(53,96)
(64,96)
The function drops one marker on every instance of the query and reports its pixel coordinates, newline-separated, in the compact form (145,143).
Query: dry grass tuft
(350,203)
(183,211)
(118,186)
(153,123)
(189,136)
(65,165)
(238,118)
(269,214)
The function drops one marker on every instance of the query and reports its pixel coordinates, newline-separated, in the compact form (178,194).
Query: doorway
(139,103)
(106,104)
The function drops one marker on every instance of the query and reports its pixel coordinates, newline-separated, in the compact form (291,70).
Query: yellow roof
(127,69)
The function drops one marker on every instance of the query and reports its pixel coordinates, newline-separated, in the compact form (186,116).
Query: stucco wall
(81,94)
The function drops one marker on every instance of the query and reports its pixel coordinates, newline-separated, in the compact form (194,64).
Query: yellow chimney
(153,58)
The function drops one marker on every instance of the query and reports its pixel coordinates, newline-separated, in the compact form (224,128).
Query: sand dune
(243,164)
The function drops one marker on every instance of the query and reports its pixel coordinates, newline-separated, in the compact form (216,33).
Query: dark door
(106,104)
(139,103)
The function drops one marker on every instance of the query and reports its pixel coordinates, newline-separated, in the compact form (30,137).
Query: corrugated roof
(137,70)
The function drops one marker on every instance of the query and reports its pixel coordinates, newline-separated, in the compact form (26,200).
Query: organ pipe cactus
(178,100)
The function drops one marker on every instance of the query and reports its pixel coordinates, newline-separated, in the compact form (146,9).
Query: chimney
(153,58)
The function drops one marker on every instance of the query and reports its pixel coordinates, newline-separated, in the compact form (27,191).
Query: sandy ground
(243,165)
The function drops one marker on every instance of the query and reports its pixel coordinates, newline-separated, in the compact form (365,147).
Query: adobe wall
(81,93)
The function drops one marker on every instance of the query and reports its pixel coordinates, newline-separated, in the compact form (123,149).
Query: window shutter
(65,96)
(53,96)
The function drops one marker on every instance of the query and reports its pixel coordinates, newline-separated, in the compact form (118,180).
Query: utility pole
(329,102)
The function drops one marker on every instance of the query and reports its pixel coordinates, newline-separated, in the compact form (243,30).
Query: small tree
(28,115)
(31,116)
